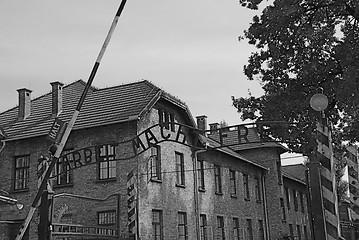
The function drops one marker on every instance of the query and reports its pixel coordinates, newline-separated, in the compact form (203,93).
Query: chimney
(213,127)
(56,97)
(202,122)
(24,103)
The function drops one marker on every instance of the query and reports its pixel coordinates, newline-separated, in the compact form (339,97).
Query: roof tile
(101,107)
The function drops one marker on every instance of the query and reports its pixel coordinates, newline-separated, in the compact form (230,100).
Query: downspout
(309,204)
(195,188)
(265,205)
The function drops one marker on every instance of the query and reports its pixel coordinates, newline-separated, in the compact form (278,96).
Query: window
(107,217)
(180,168)
(182,226)
(301,198)
(299,233)
(295,199)
(107,165)
(168,118)
(248,230)
(261,229)
(291,232)
(232,183)
(284,217)
(287,196)
(237,233)
(154,163)
(220,228)
(305,232)
(172,120)
(258,189)
(22,166)
(203,227)
(279,172)
(200,168)
(246,186)
(217,179)
(157,225)
(63,168)
(162,114)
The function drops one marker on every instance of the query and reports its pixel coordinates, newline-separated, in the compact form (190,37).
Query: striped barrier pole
(58,149)
(323,187)
(132,203)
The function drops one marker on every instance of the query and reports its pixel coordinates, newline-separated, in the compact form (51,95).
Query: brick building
(185,186)
(295,212)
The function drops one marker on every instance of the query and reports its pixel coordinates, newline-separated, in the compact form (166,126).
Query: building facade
(136,164)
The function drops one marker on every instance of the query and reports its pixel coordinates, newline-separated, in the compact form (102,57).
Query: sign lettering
(57,130)
(226,137)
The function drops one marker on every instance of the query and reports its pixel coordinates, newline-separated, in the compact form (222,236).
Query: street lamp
(9,200)
(319,102)
(325,214)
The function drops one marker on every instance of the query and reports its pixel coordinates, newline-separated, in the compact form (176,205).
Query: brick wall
(226,205)
(85,179)
(269,158)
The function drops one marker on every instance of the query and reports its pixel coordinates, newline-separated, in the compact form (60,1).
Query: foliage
(303,46)
(223,124)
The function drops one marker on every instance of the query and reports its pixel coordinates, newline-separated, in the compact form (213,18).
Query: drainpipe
(265,205)
(195,188)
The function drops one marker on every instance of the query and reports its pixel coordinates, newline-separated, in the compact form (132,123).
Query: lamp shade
(319,102)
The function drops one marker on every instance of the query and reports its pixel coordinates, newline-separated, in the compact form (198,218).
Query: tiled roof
(230,138)
(101,107)
(296,171)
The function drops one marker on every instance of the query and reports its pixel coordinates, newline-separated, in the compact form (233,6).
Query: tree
(223,124)
(303,46)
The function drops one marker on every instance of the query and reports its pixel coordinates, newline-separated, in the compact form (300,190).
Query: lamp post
(322,178)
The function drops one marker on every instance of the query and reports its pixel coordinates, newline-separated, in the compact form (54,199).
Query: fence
(71,231)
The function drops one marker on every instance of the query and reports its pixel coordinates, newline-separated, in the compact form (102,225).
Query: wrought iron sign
(172,132)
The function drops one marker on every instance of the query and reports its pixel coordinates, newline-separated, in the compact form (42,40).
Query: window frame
(295,200)
(217,179)
(249,229)
(154,170)
(109,216)
(291,230)
(220,228)
(261,229)
(106,162)
(159,224)
(203,226)
(301,198)
(299,232)
(237,233)
(180,170)
(68,175)
(200,177)
(287,197)
(21,173)
(305,231)
(180,224)
(232,183)
(246,189)
(168,118)
(258,188)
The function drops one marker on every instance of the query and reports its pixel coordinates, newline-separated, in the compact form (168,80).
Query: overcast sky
(188,48)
